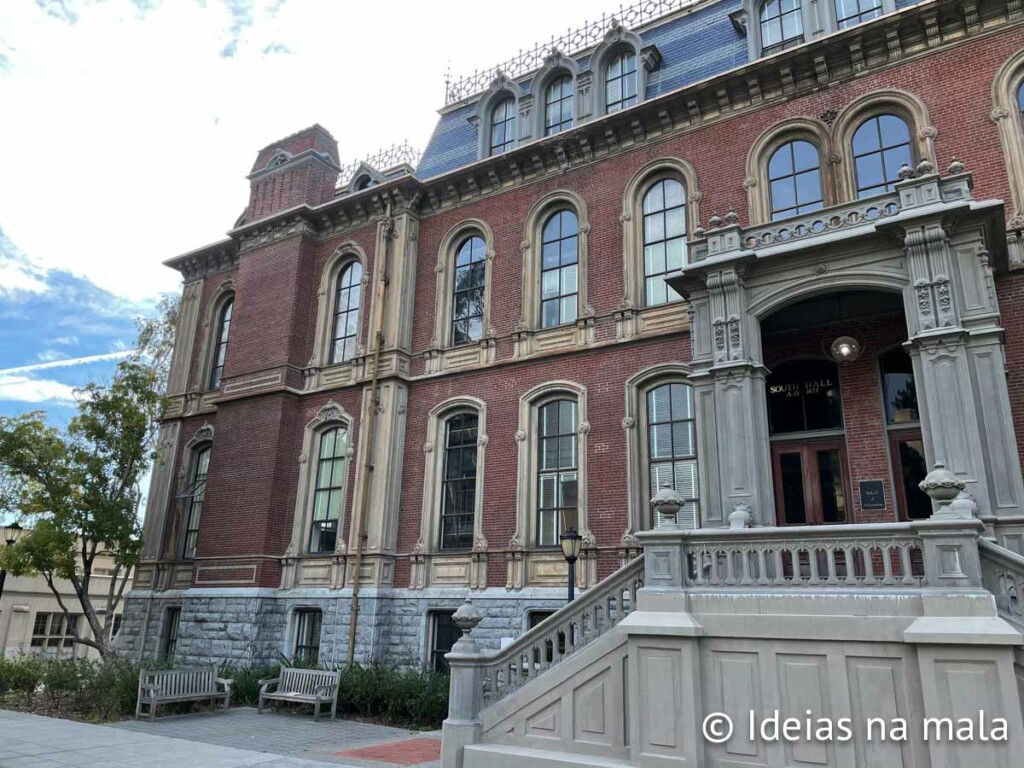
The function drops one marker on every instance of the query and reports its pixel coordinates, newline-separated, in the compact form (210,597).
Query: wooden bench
(164,686)
(302,686)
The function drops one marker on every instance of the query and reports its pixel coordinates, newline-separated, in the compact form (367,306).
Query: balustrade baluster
(830,558)
(888,578)
(812,566)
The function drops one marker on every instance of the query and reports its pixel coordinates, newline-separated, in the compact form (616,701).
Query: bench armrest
(151,688)
(329,689)
(225,681)
(265,684)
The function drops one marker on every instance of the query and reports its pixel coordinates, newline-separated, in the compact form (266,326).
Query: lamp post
(12,533)
(571,543)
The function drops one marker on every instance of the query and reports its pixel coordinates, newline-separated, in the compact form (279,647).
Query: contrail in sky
(69,362)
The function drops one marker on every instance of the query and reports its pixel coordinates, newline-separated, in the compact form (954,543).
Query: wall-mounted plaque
(872,494)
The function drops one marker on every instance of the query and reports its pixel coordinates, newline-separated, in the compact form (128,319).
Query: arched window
(329,493)
(781,25)
(559,286)
(794,180)
(672,446)
(558,105)
(803,396)
(851,12)
(468,291)
(503,126)
(620,82)
(458,482)
(880,146)
(220,349)
(346,313)
(557,470)
(664,209)
(193,495)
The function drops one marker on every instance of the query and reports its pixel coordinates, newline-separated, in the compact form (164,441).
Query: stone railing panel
(1002,573)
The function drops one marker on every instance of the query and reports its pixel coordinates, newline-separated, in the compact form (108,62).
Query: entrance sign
(803,395)
(872,494)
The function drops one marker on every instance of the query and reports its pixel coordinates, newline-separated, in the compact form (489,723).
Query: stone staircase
(896,621)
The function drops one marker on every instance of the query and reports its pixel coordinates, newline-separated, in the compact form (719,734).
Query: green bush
(394,695)
(23,674)
(246,689)
(64,678)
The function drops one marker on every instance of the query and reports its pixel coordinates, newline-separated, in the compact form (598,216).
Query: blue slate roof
(694,47)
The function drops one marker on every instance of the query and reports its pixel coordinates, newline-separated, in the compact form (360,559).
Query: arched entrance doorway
(845,431)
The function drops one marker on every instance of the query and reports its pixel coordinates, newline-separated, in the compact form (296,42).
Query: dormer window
(620,82)
(279,159)
(558,105)
(503,126)
(362,183)
(851,12)
(781,25)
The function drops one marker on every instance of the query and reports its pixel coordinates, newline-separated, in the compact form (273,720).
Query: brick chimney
(301,168)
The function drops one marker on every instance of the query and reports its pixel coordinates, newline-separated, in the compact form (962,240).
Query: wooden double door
(811,483)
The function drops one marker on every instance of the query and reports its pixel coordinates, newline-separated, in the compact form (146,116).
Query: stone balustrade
(1002,572)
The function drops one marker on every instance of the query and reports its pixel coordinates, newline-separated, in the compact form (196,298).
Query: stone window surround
(530,403)
(345,254)
(528,332)
(818,16)
(501,88)
(292,627)
(203,438)
(617,40)
(834,143)
(1006,115)
(556,65)
(445,274)
(632,222)
(211,324)
(634,424)
(433,469)
(329,416)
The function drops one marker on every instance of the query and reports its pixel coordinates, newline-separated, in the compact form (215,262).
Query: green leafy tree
(77,488)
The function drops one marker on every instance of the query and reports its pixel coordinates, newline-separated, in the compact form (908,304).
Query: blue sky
(127,128)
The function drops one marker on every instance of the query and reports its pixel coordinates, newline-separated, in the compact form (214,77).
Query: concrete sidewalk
(238,738)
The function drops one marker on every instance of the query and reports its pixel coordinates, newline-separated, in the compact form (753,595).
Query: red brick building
(766,254)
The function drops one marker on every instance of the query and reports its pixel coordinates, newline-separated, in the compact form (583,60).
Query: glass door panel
(791,475)
(909,469)
(830,485)
(811,487)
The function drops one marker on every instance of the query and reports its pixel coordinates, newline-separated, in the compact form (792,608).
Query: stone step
(508,756)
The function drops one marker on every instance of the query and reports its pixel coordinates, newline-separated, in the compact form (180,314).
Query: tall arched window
(664,210)
(193,496)
(557,470)
(458,483)
(794,180)
(220,349)
(346,313)
(880,146)
(620,82)
(851,12)
(558,105)
(503,126)
(781,25)
(329,494)
(468,291)
(672,446)
(559,275)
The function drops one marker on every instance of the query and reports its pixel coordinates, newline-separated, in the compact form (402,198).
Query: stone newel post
(950,536)
(465,697)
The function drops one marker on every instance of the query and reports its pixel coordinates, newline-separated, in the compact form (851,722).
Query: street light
(12,533)
(571,543)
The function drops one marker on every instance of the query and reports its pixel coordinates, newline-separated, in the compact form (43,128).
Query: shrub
(246,689)
(65,677)
(23,674)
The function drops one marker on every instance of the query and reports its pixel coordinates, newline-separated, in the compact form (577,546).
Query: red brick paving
(408,752)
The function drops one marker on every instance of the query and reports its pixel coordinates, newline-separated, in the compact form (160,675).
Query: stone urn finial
(905,172)
(955,167)
(466,618)
(741,516)
(925,167)
(942,486)
(666,504)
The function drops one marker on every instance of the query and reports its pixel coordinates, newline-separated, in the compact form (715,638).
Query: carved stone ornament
(928,132)
(628,422)
(330,411)
(428,447)
(925,167)
(584,428)
(941,484)
(303,457)
(741,516)
(829,116)
(615,31)
(204,433)
(479,544)
(625,216)
(999,113)
(520,435)
(955,167)
(731,217)
(482,441)
(715,221)
(467,617)
(514,544)
(417,548)
(749,182)
(905,172)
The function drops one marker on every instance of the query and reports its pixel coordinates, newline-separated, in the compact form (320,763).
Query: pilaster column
(957,348)
(729,392)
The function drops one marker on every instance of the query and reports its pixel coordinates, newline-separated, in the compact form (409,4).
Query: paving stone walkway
(238,738)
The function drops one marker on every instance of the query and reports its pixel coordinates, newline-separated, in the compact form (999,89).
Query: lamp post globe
(571,543)
(11,533)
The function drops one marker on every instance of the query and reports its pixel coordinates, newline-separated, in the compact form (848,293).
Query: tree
(78,487)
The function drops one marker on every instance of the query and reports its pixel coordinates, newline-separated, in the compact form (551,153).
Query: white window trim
(525,536)
(1006,115)
(345,254)
(211,324)
(329,416)
(634,425)
(443,355)
(434,451)
(528,336)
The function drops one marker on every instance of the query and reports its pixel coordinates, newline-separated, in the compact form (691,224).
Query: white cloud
(135,126)
(65,363)
(15,277)
(24,389)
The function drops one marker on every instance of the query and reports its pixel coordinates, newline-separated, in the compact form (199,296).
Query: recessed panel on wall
(969,690)
(547,723)
(593,710)
(803,687)
(660,671)
(737,692)
(878,697)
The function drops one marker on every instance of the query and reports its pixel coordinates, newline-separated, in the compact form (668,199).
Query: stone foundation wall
(251,629)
